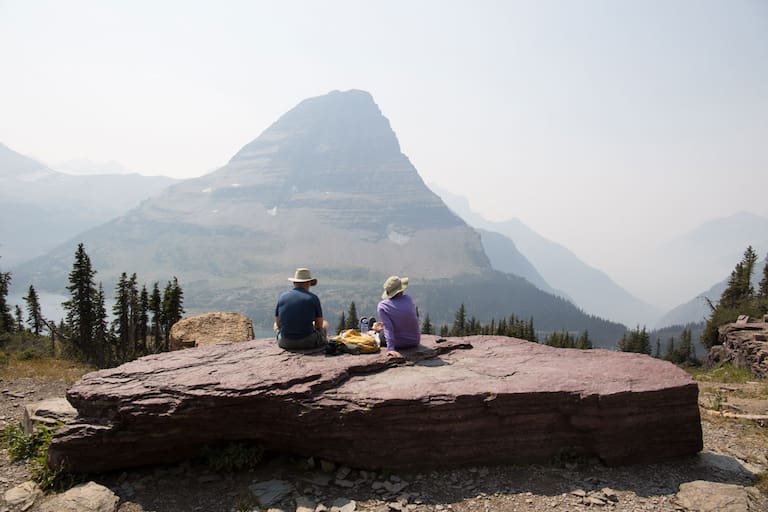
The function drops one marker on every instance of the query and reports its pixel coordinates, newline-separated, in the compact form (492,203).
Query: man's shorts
(315,340)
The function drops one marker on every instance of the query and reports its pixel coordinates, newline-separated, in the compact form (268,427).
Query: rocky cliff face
(744,345)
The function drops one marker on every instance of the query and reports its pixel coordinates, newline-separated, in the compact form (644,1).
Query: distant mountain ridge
(325,186)
(589,288)
(697,309)
(40,207)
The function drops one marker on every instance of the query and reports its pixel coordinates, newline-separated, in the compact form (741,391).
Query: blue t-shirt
(297,310)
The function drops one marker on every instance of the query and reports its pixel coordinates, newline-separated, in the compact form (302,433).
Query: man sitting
(299,320)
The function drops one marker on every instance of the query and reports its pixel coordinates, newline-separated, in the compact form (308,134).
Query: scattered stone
(581,493)
(395,487)
(702,496)
(23,495)
(343,505)
(594,500)
(47,412)
(89,497)
(610,494)
(343,472)
(304,504)
(344,483)
(270,492)
(321,479)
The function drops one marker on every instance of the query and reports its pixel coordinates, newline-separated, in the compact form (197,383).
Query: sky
(606,126)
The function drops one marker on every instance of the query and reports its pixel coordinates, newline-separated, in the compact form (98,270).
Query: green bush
(28,355)
(4,358)
(34,447)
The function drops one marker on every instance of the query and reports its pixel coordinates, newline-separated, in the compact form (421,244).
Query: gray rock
(23,495)
(702,496)
(88,497)
(343,505)
(47,412)
(270,492)
(618,407)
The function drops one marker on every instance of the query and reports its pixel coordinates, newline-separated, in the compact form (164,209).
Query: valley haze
(629,134)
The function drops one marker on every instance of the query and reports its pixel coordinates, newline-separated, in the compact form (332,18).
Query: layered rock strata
(461,401)
(744,345)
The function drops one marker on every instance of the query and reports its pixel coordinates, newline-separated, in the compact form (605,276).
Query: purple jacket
(401,325)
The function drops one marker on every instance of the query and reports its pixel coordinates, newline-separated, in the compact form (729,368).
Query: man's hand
(394,353)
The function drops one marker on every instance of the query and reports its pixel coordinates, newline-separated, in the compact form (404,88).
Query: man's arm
(277,321)
(319,322)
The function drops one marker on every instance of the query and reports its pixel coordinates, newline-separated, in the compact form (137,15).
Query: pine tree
(444,330)
(342,325)
(670,353)
(426,326)
(737,299)
(156,308)
(762,291)
(34,315)
(142,329)
(101,336)
(459,327)
(19,318)
(80,307)
(583,342)
(657,352)
(121,325)
(353,322)
(6,319)
(173,307)
(638,340)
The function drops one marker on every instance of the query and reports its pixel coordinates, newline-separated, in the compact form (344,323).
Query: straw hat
(303,275)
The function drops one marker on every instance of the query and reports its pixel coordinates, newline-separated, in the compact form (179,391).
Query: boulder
(744,345)
(88,497)
(449,402)
(210,328)
(702,496)
(47,412)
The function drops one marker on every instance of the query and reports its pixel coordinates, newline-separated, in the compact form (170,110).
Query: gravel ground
(734,450)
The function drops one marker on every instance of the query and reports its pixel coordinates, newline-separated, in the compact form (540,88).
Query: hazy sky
(603,125)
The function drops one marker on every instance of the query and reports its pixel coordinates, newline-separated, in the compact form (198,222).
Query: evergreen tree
(6,319)
(142,329)
(657,352)
(426,326)
(80,307)
(737,299)
(342,325)
(762,291)
(583,342)
(353,322)
(173,307)
(669,354)
(19,318)
(637,340)
(121,325)
(34,315)
(101,336)
(459,327)
(156,308)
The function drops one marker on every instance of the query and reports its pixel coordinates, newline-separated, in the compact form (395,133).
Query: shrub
(34,447)
(28,355)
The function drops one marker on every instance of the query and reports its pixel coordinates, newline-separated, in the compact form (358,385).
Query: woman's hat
(394,285)
(303,275)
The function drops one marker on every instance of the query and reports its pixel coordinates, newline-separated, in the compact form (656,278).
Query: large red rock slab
(475,400)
